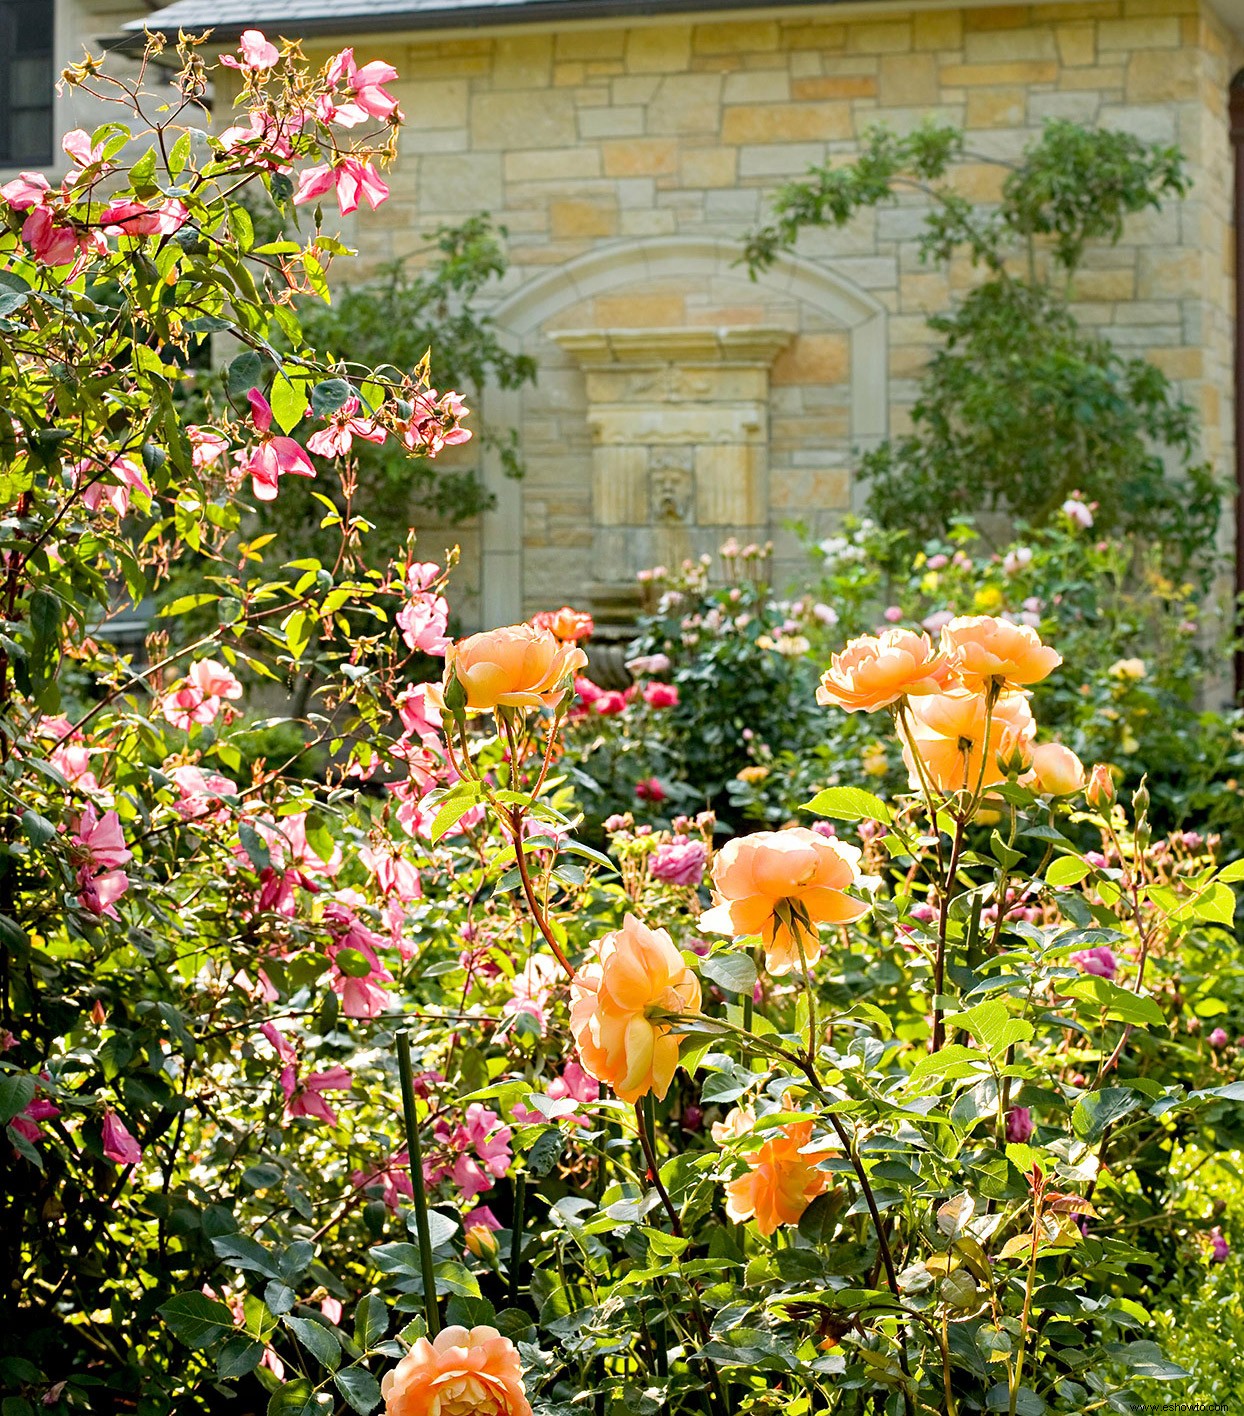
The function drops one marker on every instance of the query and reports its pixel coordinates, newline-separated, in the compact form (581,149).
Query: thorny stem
(416,1179)
(943,923)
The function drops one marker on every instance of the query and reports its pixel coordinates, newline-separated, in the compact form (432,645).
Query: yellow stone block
(568,75)
(1181,363)
(640,157)
(658,49)
(1151,33)
(997,17)
(835,86)
(570,219)
(937,31)
(971,75)
(1157,76)
(551,164)
(1105,79)
(686,103)
(522,61)
(433,103)
(892,37)
(536,119)
(590,44)
(745,36)
(1105,284)
(1077,44)
(908,80)
(778,123)
(1007,46)
(996,108)
(638,311)
(821,37)
(1093,10)
(979,181)
(813,359)
(709,167)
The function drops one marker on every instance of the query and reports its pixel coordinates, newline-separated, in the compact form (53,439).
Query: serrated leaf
(735,972)
(196,1319)
(1097,1110)
(371,1320)
(1067,870)
(319,1341)
(359,1388)
(849,804)
(245,373)
(17,1091)
(328,396)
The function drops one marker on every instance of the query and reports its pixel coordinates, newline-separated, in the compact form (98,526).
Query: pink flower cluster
(1099,960)
(362,993)
(470,1152)
(199,697)
(98,850)
(679,862)
(424,618)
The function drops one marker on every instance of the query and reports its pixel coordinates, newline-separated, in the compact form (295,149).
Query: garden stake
(516,1233)
(416,1181)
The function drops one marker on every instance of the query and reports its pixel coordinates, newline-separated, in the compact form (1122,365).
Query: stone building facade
(680,401)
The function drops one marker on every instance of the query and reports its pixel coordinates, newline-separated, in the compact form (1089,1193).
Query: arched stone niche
(678,403)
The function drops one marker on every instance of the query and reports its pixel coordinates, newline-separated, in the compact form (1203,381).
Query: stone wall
(627,161)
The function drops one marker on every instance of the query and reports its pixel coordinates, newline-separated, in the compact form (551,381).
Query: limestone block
(730,485)
(733,37)
(762,86)
(522,61)
(937,31)
(1034,71)
(1105,79)
(634,88)
(467,180)
(892,37)
(551,164)
(658,49)
(779,159)
(676,424)
(709,167)
(649,223)
(798,491)
(1105,284)
(1150,33)
(640,157)
(686,103)
(1007,46)
(813,359)
(535,119)
(1161,77)
(822,37)
(433,103)
(1083,106)
(782,123)
(570,219)
(908,79)
(574,43)
(611,122)
(733,206)
(997,108)
(835,86)
(1077,44)
(1165,273)
(637,311)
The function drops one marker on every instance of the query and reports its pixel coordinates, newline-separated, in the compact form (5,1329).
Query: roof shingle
(295,18)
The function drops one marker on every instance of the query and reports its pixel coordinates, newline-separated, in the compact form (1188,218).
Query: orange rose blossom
(875,672)
(948,730)
(782,1177)
(781,885)
(616,1003)
(517,666)
(987,651)
(458,1373)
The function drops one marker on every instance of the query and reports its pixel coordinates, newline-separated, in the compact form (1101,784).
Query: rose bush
(382,1087)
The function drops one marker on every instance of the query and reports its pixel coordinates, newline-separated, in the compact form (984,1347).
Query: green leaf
(17,1091)
(991,1024)
(849,804)
(951,1061)
(244,1253)
(299,1398)
(289,400)
(359,1388)
(328,396)
(1119,1003)
(240,1355)
(371,1320)
(1097,1110)
(546,1152)
(197,1319)
(244,373)
(453,809)
(1067,870)
(319,1341)
(735,972)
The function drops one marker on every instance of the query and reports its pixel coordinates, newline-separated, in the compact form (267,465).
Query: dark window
(26,82)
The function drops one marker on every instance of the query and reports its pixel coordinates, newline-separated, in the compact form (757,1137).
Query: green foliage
(1019,407)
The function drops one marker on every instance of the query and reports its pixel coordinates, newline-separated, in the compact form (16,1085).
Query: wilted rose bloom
(1018,1124)
(616,1003)
(873,672)
(1056,770)
(119,1146)
(660,695)
(782,885)
(782,1177)
(566,624)
(517,666)
(948,730)
(458,1373)
(1218,1039)
(985,650)
(679,862)
(1099,960)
